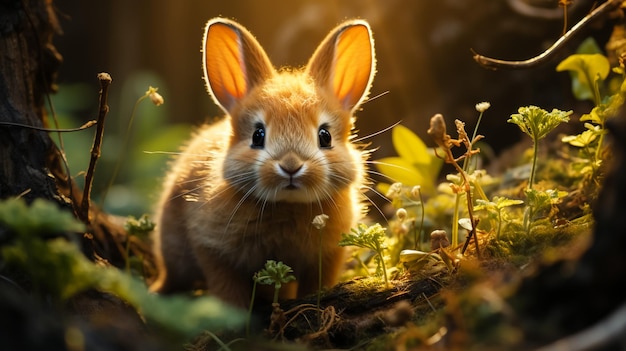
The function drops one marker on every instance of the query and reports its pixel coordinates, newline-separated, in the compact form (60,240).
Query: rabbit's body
(246,189)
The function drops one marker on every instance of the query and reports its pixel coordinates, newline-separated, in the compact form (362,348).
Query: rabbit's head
(291,129)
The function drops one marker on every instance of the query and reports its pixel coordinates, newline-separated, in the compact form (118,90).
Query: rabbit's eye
(258,137)
(325,137)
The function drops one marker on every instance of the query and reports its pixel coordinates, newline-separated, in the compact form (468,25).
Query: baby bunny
(246,189)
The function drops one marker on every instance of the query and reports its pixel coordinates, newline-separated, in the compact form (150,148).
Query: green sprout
(496,207)
(138,228)
(537,123)
(539,202)
(276,273)
(373,238)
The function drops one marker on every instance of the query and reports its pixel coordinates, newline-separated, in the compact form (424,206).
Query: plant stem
(105,82)
(421,219)
(455,221)
(382,263)
(499,223)
(534,165)
(276,288)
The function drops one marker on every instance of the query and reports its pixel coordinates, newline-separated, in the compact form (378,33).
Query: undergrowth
(442,233)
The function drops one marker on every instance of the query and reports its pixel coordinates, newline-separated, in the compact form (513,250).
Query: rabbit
(247,188)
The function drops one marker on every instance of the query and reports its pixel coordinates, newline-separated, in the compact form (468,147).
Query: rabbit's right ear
(344,64)
(234,62)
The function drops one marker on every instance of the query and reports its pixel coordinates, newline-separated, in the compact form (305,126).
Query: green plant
(496,207)
(589,70)
(537,123)
(274,273)
(139,229)
(58,270)
(538,203)
(371,237)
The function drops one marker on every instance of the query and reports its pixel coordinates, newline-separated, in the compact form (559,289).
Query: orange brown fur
(229,206)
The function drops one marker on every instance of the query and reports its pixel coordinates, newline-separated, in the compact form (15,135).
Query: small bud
(438,239)
(319,221)
(395,190)
(482,106)
(401,214)
(416,192)
(155,97)
(437,131)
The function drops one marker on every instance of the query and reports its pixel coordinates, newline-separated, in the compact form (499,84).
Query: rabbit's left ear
(234,62)
(344,63)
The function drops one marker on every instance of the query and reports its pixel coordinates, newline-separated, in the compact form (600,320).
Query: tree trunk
(28,66)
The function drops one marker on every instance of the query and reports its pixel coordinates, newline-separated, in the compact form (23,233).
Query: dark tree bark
(28,66)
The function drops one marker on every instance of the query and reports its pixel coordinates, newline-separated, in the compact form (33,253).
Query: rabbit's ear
(344,63)
(234,62)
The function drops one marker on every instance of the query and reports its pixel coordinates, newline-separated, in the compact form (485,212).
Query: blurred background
(424,63)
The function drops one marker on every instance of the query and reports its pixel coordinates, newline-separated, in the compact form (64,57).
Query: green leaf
(41,217)
(141,227)
(276,273)
(58,269)
(581,140)
(502,202)
(537,122)
(372,237)
(409,146)
(585,70)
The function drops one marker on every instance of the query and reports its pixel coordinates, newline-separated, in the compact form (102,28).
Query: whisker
(372,189)
(359,139)
(238,206)
(378,209)
(376,97)
(382,175)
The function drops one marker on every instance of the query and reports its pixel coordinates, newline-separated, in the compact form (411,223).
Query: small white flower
(482,106)
(415,192)
(401,214)
(319,221)
(155,97)
(395,190)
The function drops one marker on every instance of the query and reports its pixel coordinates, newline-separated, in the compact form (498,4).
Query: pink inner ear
(353,65)
(225,69)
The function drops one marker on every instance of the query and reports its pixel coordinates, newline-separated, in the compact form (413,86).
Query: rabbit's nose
(291,165)
(290,169)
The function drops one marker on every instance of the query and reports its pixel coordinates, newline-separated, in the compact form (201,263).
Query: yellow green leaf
(400,170)
(585,70)
(409,146)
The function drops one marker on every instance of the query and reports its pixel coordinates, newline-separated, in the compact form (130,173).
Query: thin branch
(105,81)
(87,125)
(494,64)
